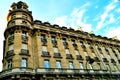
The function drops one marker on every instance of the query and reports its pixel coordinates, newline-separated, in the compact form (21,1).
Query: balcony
(57,55)
(24,52)
(45,54)
(10,53)
(69,56)
(79,57)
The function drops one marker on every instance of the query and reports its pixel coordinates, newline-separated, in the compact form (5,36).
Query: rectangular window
(24,46)
(108,67)
(58,64)
(85,53)
(53,39)
(115,67)
(55,50)
(81,65)
(101,54)
(24,63)
(43,38)
(10,47)
(73,42)
(44,48)
(93,54)
(71,65)
(46,64)
(67,51)
(10,64)
(76,52)
(24,36)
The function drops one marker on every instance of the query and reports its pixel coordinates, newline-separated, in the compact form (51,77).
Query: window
(24,46)
(81,67)
(13,16)
(115,67)
(11,37)
(24,63)
(10,47)
(44,48)
(13,23)
(67,51)
(85,53)
(43,38)
(53,39)
(93,54)
(101,54)
(24,22)
(9,64)
(64,42)
(91,68)
(108,67)
(58,64)
(71,65)
(24,35)
(46,64)
(55,50)
(76,52)
(73,42)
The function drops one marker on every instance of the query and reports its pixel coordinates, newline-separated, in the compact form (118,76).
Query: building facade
(35,50)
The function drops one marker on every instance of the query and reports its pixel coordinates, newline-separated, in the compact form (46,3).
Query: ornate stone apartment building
(35,50)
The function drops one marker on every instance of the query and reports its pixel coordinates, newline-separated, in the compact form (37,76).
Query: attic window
(19,5)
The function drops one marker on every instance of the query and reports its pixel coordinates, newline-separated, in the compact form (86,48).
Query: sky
(100,16)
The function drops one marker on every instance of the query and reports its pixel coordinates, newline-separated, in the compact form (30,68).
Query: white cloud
(112,19)
(61,21)
(104,16)
(75,19)
(118,10)
(113,32)
(115,1)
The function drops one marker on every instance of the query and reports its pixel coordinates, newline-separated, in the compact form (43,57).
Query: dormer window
(19,5)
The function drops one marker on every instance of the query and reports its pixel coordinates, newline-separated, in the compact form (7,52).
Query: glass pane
(81,66)
(11,47)
(67,51)
(56,50)
(46,64)
(44,48)
(77,53)
(58,64)
(24,63)
(24,46)
(71,65)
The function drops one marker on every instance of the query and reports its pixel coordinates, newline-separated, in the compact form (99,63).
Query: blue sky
(100,16)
